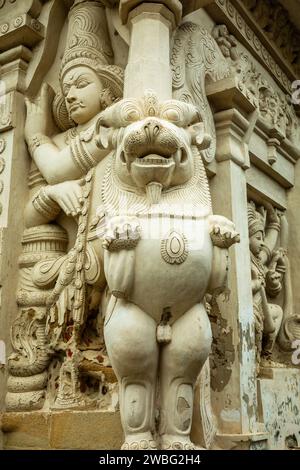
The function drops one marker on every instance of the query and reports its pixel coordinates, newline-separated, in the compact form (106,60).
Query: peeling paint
(223,352)
(281,408)
(231,415)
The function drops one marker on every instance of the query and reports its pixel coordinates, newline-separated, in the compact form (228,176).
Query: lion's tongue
(153,192)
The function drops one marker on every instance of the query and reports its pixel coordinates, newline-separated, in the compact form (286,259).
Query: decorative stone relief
(275,109)
(119,169)
(28,364)
(6,111)
(2,166)
(2,2)
(85,64)
(254,44)
(196,58)
(123,295)
(227,42)
(271,288)
(275,21)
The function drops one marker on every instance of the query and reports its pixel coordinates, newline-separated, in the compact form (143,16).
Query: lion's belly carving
(170,271)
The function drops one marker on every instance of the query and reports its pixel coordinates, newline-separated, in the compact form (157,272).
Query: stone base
(257,441)
(81,430)
(279,393)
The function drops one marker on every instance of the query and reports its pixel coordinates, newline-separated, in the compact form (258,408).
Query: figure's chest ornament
(174,248)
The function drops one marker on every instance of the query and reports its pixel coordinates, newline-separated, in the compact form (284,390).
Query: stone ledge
(81,430)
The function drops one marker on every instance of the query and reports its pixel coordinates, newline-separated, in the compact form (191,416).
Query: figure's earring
(60,113)
(106,98)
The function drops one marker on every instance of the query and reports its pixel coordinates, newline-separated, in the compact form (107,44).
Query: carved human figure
(69,155)
(268,105)
(88,84)
(267,270)
(226,41)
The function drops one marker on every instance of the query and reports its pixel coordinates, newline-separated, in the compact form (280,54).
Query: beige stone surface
(26,430)
(294,241)
(149,56)
(82,430)
(85,430)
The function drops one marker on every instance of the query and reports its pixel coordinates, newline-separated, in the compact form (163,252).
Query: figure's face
(256,243)
(82,88)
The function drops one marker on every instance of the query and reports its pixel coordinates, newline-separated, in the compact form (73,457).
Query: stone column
(234,390)
(20,32)
(149,53)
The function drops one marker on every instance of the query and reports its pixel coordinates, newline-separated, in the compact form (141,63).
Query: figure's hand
(273,283)
(273,277)
(39,113)
(222,231)
(272,214)
(94,299)
(278,261)
(68,196)
(257,284)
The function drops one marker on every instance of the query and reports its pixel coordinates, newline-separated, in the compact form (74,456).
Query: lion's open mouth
(154,158)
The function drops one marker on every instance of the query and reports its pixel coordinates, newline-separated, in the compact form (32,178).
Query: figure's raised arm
(271,233)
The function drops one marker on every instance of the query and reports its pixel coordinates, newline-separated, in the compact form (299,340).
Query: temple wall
(65,275)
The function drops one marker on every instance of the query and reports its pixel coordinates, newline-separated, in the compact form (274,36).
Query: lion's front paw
(222,231)
(122,234)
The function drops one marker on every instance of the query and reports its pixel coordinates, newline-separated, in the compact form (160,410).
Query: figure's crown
(88,44)
(255,220)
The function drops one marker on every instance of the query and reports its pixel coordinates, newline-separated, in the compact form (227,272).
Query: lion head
(154,144)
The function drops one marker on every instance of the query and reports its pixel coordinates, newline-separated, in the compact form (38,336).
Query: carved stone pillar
(20,31)
(149,55)
(233,369)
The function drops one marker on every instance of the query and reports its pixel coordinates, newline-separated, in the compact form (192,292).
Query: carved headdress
(88,44)
(256,221)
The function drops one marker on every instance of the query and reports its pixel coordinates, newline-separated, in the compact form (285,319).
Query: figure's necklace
(258,264)
(71,134)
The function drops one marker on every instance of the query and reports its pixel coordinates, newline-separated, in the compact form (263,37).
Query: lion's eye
(171,115)
(133,116)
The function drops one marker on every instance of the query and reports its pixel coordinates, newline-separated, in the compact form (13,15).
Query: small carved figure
(267,269)
(226,41)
